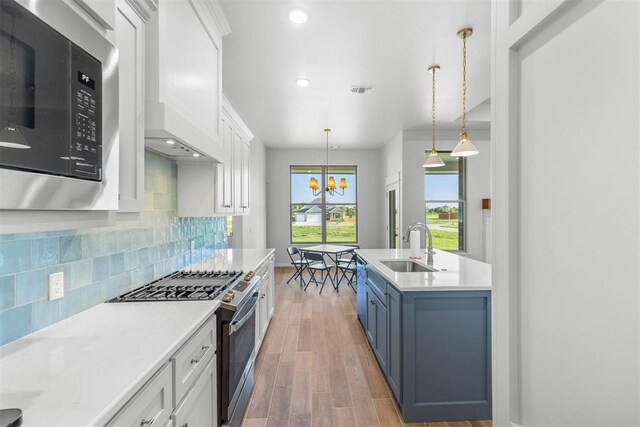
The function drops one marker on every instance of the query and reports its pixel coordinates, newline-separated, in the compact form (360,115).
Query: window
(444,202)
(323,218)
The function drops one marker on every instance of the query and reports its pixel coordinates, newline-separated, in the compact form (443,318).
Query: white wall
(405,154)
(566,300)
(250,231)
(370,182)
(392,157)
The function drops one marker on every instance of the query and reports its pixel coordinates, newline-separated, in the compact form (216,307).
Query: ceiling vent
(361,88)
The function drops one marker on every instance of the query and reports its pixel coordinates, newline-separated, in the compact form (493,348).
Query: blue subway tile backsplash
(101,263)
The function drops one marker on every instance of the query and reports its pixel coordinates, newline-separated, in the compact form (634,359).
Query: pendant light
(10,135)
(464,148)
(433,161)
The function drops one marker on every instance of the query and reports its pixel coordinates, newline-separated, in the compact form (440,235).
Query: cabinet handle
(144,423)
(205,348)
(372,302)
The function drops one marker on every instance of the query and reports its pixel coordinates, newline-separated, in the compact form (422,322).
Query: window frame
(323,206)
(461,201)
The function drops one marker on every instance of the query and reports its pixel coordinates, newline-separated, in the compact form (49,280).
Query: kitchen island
(430,331)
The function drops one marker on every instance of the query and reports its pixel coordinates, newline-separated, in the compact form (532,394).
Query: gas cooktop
(183,286)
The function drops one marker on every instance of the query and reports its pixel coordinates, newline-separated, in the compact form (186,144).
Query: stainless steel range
(236,327)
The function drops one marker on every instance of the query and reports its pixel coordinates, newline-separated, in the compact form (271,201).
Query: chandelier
(331,187)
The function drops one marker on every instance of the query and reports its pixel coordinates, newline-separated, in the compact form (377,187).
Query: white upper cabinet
(206,188)
(184,75)
(130,34)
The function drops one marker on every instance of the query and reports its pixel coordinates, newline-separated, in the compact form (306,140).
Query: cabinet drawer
(151,405)
(378,284)
(199,408)
(189,362)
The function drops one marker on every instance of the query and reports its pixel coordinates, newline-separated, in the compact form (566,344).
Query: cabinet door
(224,187)
(258,323)
(264,309)
(130,42)
(246,177)
(237,172)
(371,318)
(199,406)
(151,404)
(394,315)
(271,296)
(361,292)
(381,333)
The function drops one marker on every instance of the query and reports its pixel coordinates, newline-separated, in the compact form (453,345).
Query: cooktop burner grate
(183,286)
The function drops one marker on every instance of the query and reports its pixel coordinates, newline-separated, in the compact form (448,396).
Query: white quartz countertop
(233,259)
(82,370)
(456,273)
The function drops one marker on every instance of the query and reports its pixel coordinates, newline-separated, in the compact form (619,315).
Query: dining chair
(345,256)
(348,270)
(315,262)
(298,262)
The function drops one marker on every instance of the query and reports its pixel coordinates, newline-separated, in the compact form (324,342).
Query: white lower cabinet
(153,404)
(183,393)
(266,300)
(199,406)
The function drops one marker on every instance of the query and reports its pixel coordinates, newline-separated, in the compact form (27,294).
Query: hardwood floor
(315,367)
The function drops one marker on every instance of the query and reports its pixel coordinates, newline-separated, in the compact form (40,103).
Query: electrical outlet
(193,245)
(56,285)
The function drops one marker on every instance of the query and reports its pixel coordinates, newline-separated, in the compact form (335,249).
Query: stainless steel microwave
(58,109)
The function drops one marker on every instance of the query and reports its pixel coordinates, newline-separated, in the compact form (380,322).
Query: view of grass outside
(338,211)
(444,203)
(444,225)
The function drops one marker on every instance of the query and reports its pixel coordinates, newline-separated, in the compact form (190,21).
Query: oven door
(242,342)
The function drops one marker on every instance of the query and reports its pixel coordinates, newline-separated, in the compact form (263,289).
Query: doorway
(392,214)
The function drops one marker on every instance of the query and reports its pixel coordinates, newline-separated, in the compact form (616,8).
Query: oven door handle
(237,324)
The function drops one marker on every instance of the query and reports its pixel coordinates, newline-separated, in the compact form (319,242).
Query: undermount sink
(401,266)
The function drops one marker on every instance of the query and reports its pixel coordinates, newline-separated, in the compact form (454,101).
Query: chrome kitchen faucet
(418,226)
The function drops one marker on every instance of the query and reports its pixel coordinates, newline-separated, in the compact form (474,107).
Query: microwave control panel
(85,151)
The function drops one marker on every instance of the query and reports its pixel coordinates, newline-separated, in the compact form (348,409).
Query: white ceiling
(388,44)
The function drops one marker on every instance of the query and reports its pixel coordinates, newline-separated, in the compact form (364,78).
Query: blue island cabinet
(434,348)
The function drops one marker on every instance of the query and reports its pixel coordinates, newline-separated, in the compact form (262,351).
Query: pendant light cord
(433,111)
(464,83)
(327,162)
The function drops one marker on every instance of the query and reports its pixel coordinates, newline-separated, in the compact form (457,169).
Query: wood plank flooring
(315,368)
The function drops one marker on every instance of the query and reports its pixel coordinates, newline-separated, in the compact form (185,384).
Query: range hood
(183,80)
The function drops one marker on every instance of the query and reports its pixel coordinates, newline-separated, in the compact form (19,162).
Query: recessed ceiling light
(170,141)
(303,82)
(196,155)
(298,16)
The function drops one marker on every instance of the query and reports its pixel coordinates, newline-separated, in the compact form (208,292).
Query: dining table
(333,252)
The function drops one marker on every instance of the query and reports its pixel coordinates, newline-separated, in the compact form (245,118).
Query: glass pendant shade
(10,137)
(464,148)
(313,184)
(332,183)
(433,161)
(343,183)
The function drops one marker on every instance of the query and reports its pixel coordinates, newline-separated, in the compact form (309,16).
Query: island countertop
(455,272)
